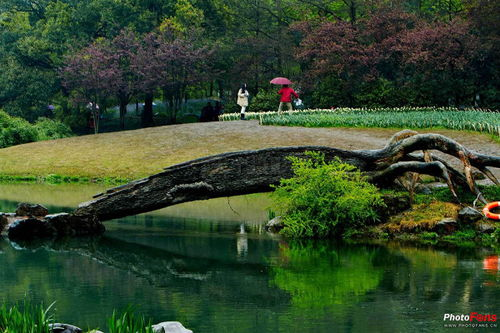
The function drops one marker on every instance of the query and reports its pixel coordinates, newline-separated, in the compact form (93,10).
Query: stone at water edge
(64,328)
(69,225)
(30,228)
(170,327)
(446,225)
(275,224)
(3,222)
(56,225)
(486,228)
(26,209)
(469,215)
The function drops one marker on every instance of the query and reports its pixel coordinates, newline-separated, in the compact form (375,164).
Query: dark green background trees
(340,52)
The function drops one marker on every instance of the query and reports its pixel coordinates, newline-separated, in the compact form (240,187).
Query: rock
(469,215)
(275,225)
(486,228)
(170,327)
(56,225)
(69,225)
(424,189)
(3,222)
(447,226)
(30,228)
(26,209)
(64,328)
(395,204)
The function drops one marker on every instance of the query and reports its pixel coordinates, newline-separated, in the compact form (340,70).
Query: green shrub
(49,129)
(15,131)
(324,199)
(265,100)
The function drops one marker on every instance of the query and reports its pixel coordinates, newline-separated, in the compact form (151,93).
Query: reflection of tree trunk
(254,171)
(147,113)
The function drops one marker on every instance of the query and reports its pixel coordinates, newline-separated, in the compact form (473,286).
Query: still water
(211,266)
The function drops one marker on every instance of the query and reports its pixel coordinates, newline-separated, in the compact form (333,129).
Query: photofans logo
(472,320)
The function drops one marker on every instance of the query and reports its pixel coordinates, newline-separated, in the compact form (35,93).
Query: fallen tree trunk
(254,171)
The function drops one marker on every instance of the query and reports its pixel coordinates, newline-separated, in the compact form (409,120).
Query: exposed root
(435,168)
(404,143)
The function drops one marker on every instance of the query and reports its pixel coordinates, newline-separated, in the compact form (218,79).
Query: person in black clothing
(219,109)
(207,112)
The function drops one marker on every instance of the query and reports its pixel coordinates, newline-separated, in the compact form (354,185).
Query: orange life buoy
(487,210)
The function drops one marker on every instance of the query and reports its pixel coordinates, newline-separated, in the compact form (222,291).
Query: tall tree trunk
(147,113)
(123,111)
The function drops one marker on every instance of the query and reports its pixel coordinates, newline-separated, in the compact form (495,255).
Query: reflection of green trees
(319,275)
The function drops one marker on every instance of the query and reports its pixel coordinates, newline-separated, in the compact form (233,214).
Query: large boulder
(30,228)
(56,225)
(170,327)
(69,225)
(469,215)
(26,209)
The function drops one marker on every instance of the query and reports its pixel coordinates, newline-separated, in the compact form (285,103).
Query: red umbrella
(281,80)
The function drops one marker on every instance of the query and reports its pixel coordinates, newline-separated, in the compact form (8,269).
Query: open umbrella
(281,80)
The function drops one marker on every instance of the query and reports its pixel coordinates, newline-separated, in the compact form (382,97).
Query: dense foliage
(15,130)
(339,52)
(324,199)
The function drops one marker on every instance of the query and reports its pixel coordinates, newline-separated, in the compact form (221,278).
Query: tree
(90,74)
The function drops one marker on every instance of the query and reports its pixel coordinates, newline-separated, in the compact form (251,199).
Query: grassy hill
(138,153)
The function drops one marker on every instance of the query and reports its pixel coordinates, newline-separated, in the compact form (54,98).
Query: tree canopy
(339,52)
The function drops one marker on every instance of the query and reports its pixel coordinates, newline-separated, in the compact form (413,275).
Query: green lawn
(138,153)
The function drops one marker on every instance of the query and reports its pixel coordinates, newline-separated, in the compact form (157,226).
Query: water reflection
(218,274)
(242,242)
(315,284)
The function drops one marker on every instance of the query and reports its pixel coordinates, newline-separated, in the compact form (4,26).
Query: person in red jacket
(286,98)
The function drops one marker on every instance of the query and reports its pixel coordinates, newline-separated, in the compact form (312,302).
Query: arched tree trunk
(254,171)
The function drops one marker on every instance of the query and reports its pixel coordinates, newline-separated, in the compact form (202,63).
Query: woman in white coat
(243,99)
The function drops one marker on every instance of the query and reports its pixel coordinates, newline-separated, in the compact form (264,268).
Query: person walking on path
(243,100)
(286,98)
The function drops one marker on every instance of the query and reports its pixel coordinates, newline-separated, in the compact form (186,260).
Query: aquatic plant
(25,317)
(128,321)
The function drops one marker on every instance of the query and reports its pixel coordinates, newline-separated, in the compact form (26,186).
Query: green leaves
(402,117)
(26,318)
(323,198)
(14,131)
(128,321)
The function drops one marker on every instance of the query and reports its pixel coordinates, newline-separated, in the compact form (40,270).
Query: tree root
(391,163)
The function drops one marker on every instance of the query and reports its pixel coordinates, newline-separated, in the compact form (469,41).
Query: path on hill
(137,153)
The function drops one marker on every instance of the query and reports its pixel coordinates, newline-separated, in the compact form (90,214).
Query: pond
(211,266)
